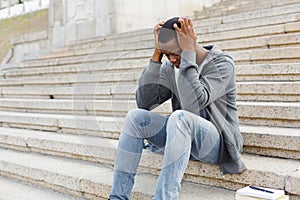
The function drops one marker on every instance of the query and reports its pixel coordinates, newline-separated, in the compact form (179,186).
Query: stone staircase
(227,7)
(61,114)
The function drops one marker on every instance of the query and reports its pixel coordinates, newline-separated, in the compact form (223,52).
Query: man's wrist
(187,58)
(157,55)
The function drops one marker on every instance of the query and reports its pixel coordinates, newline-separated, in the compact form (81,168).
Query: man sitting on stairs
(200,81)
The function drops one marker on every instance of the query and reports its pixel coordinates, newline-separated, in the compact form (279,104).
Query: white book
(244,197)
(260,192)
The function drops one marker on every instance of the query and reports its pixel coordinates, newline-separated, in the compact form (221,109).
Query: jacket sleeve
(198,91)
(154,86)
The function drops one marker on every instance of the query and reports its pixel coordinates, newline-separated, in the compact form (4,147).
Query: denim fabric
(181,136)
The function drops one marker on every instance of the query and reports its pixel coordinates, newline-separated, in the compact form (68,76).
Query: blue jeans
(181,136)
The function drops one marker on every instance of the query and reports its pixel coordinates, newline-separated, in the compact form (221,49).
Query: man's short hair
(168,32)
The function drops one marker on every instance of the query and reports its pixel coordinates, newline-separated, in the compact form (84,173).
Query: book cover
(243,197)
(259,193)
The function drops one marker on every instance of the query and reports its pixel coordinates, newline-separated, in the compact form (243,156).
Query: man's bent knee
(186,120)
(180,116)
(142,123)
(138,117)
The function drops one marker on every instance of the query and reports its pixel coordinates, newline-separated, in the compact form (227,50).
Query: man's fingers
(185,22)
(180,20)
(194,32)
(190,22)
(186,27)
(176,27)
(159,25)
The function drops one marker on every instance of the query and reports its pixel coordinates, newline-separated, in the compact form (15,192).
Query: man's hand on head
(157,55)
(186,34)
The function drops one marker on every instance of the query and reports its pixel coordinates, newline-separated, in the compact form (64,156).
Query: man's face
(172,50)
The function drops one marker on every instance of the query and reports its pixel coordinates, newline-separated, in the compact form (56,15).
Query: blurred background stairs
(61,114)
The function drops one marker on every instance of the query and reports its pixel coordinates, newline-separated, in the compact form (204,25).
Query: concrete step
(268,39)
(15,190)
(137,33)
(103,126)
(253,113)
(225,8)
(73,79)
(200,25)
(134,36)
(87,180)
(247,41)
(271,141)
(40,68)
(90,63)
(78,64)
(244,72)
(105,57)
(125,89)
(259,72)
(268,91)
(269,114)
(106,117)
(267,36)
(273,56)
(268,72)
(264,42)
(259,140)
(118,91)
(69,175)
(271,30)
(263,12)
(251,72)
(291,17)
(73,106)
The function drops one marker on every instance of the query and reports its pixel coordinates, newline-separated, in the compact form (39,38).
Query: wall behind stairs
(72,20)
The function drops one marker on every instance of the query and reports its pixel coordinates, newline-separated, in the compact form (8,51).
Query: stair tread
(284,104)
(235,8)
(263,166)
(283,131)
(107,77)
(276,131)
(69,73)
(122,106)
(71,104)
(111,102)
(78,173)
(260,14)
(62,142)
(248,33)
(265,46)
(74,112)
(14,190)
(246,91)
(146,53)
(259,41)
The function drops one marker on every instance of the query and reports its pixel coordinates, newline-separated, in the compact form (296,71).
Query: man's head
(167,39)
(168,31)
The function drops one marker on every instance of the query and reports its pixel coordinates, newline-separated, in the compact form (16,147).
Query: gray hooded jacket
(208,90)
